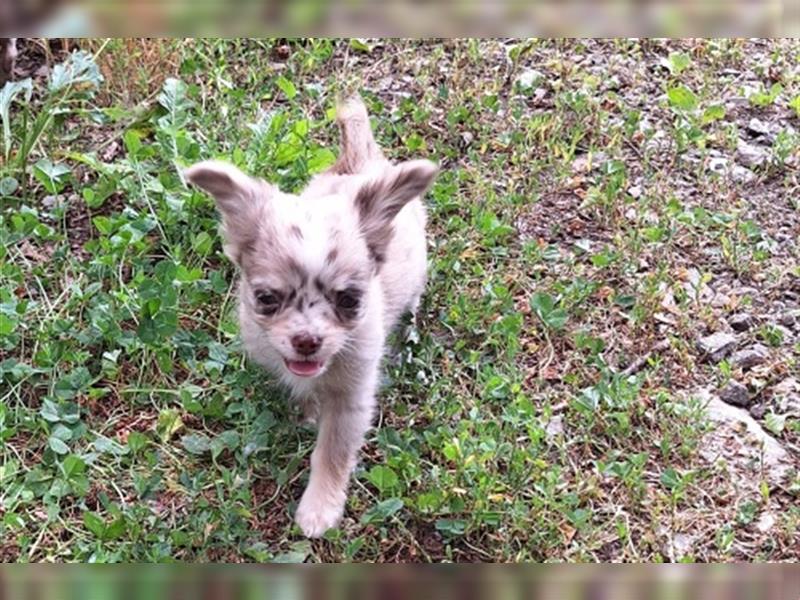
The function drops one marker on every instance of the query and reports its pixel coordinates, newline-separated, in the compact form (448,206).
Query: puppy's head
(308,261)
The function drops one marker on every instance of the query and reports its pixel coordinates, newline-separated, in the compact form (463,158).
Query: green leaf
(8,185)
(677,62)
(94,524)
(670,478)
(79,70)
(775,423)
(169,423)
(287,87)
(715,112)
(682,98)
(542,303)
(451,526)
(116,529)
(382,511)
(174,100)
(73,465)
(51,176)
(196,443)
(227,440)
(298,554)
(360,44)
(57,446)
(383,478)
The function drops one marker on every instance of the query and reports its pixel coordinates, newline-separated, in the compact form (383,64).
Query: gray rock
(555,426)
(787,396)
(750,155)
(757,411)
(750,357)
(739,437)
(735,393)
(740,321)
(787,319)
(718,165)
(717,345)
(789,404)
(758,127)
(742,174)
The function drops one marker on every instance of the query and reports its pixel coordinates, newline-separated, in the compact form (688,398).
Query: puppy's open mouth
(304,368)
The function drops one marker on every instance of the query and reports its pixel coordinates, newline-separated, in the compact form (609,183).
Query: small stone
(718,165)
(758,127)
(735,393)
(740,321)
(787,320)
(765,522)
(742,174)
(750,357)
(528,78)
(750,155)
(635,191)
(555,426)
(757,411)
(717,345)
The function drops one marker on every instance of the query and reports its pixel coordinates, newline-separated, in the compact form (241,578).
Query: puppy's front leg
(342,425)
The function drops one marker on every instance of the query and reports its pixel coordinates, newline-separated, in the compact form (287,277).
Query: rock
(750,357)
(787,319)
(679,546)
(739,438)
(742,174)
(790,385)
(750,155)
(740,321)
(758,127)
(635,191)
(789,404)
(555,426)
(528,78)
(718,165)
(717,345)
(765,522)
(735,393)
(787,396)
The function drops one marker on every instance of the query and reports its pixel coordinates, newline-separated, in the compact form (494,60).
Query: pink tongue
(303,368)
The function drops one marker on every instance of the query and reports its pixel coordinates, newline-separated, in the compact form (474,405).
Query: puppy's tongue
(304,368)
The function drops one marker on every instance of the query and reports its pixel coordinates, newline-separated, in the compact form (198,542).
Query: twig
(640,362)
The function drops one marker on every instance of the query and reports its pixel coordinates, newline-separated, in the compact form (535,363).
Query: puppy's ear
(239,198)
(380,199)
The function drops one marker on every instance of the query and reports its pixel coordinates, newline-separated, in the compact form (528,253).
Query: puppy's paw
(318,513)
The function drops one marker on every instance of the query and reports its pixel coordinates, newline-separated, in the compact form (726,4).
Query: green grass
(574,192)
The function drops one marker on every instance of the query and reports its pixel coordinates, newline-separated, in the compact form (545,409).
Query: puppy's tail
(358,146)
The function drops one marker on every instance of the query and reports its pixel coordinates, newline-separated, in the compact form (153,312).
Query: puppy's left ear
(379,200)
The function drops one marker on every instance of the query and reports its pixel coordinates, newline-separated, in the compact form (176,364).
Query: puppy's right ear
(239,198)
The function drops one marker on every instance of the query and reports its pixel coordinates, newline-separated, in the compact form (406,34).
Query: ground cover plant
(604,366)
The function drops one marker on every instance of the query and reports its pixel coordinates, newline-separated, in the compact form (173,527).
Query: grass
(575,194)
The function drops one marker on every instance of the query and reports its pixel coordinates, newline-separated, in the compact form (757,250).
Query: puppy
(324,276)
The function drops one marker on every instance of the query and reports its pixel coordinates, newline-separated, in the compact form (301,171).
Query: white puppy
(324,277)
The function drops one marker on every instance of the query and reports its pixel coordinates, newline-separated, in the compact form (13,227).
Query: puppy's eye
(347,300)
(268,301)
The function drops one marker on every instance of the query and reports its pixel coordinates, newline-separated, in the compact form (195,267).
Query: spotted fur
(346,257)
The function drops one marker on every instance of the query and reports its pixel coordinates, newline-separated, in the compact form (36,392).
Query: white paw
(318,513)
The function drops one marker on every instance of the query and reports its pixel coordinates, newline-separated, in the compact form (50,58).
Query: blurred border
(387,582)
(413,18)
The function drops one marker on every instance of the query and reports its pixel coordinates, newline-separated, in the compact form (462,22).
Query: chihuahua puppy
(324,276)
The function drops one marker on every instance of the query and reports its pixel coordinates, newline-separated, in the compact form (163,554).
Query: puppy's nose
(306,344)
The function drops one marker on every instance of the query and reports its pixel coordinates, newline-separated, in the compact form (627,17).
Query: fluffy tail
(358,146)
